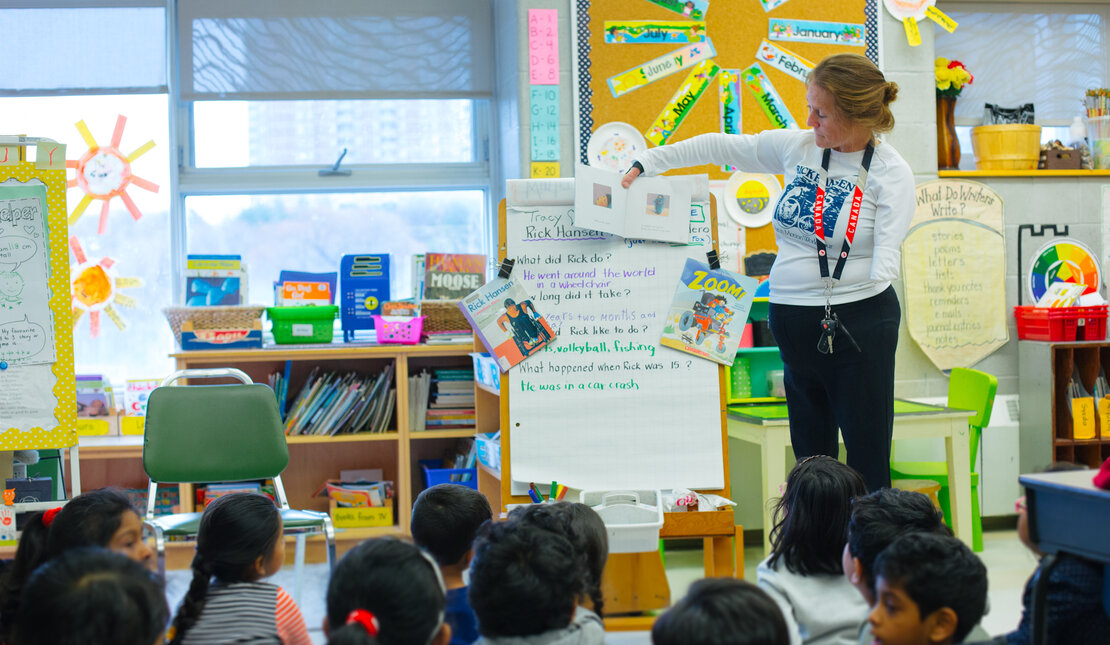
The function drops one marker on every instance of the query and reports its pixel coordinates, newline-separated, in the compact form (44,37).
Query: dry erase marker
(535,497)
(536,492)
(562,494)
(554,490)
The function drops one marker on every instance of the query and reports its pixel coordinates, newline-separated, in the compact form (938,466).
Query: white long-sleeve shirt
(885,214)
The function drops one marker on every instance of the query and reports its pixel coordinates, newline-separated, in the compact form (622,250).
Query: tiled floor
(1009,565)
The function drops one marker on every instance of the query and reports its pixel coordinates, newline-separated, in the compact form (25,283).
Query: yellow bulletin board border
(63,435)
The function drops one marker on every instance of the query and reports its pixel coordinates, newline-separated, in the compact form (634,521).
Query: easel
(49,169)
(635,582)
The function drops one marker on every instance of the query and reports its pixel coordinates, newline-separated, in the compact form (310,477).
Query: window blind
(1045,54)
(330,49)
(54,50)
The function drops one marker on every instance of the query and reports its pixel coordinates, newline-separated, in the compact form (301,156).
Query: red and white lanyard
(853,217)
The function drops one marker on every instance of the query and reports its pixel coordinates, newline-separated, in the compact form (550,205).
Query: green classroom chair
(220,433)
(968,389)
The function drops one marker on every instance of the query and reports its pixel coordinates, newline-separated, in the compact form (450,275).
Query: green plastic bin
(310,324)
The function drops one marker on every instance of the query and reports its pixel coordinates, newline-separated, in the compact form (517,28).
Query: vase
(948,146)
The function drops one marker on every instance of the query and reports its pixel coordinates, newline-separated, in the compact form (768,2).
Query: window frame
(187,180)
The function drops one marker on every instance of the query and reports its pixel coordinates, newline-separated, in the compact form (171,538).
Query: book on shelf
(331,403)
(419,387)
(450,276)
(212,280)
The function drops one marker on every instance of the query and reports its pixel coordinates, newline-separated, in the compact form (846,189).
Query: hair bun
(891,92)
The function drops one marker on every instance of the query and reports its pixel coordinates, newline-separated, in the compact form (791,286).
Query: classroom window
(140,249)
(1046,54)
(310,232)
(314,132)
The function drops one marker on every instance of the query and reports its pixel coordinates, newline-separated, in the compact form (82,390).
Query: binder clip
(714,260)
(506,268)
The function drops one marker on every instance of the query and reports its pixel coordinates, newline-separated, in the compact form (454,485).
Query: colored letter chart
(543,75)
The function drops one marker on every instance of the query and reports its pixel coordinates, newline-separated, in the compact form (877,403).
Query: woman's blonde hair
(859,90)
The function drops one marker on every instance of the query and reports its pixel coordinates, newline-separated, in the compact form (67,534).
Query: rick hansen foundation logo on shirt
(794,212)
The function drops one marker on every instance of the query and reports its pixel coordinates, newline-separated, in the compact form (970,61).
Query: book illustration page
(659,209)
(599,200)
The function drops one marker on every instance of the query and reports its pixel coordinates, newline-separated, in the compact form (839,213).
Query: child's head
(811,517)
(877,520)
(524,580)
(722,611)
(930,589)
(239,540)
(91,596)
(586,531)
(389,587)
(445,519)
(101,518)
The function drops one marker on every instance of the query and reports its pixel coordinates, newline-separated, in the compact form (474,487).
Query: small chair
(220,433)
(968,389)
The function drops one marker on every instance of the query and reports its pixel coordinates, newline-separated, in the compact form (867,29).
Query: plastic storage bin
(1061,323)
(489,450)
(435,473)
(310,324)
(1014,146)
(399,331)
(486,371)
(632,517)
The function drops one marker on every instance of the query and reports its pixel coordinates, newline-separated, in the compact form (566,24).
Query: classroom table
(767,426)
(1067,514)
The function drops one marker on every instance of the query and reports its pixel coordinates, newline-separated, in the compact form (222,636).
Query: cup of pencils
(1098,126)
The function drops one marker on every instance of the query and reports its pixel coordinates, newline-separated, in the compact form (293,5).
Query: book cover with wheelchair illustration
(709,311)
(505,318)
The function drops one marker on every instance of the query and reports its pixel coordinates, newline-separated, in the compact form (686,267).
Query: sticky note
(913,36)
(545,169)
(942,19)
(50,156)
(543,46)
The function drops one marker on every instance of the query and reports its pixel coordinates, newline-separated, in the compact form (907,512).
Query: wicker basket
(219,317)
(443,316)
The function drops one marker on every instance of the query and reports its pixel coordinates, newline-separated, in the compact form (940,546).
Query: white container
(632,517)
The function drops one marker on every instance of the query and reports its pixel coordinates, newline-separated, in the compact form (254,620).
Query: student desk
(767,426)
(1067,513)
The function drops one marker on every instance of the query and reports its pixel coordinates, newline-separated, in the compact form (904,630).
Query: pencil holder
(400,332)
(1098,135)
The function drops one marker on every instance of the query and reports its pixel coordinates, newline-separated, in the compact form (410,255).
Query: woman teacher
(839,225)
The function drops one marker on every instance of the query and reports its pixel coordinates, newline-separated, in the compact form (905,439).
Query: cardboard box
(1060,159)
(350,517)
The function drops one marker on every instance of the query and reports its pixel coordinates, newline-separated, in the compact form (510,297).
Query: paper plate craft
(1063,260)
(910,12)
(750,198)
(614,146)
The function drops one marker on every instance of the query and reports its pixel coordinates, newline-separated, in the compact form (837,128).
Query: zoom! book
(709,311)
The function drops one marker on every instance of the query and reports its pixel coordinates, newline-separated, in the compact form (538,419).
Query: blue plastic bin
(434,474)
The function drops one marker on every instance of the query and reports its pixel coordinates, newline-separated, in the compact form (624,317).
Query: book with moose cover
(451,276)
(709,311)
(503,316)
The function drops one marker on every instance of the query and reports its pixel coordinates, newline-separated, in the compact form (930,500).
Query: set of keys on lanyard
(831,324)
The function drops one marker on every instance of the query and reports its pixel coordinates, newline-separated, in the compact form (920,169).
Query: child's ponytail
(193,603)
(361,629)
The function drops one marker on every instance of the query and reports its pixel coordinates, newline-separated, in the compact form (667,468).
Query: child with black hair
(389,592)
(930,590)
(1074,602)
(524,585)
(877,520)
(101,518)
(807,542)
(586,531)
(91,596)
(722,611)
(445,519)
(239,542)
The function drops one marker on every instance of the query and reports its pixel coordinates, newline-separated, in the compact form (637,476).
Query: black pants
(849,389)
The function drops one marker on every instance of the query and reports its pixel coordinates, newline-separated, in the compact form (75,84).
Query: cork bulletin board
(737,30)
